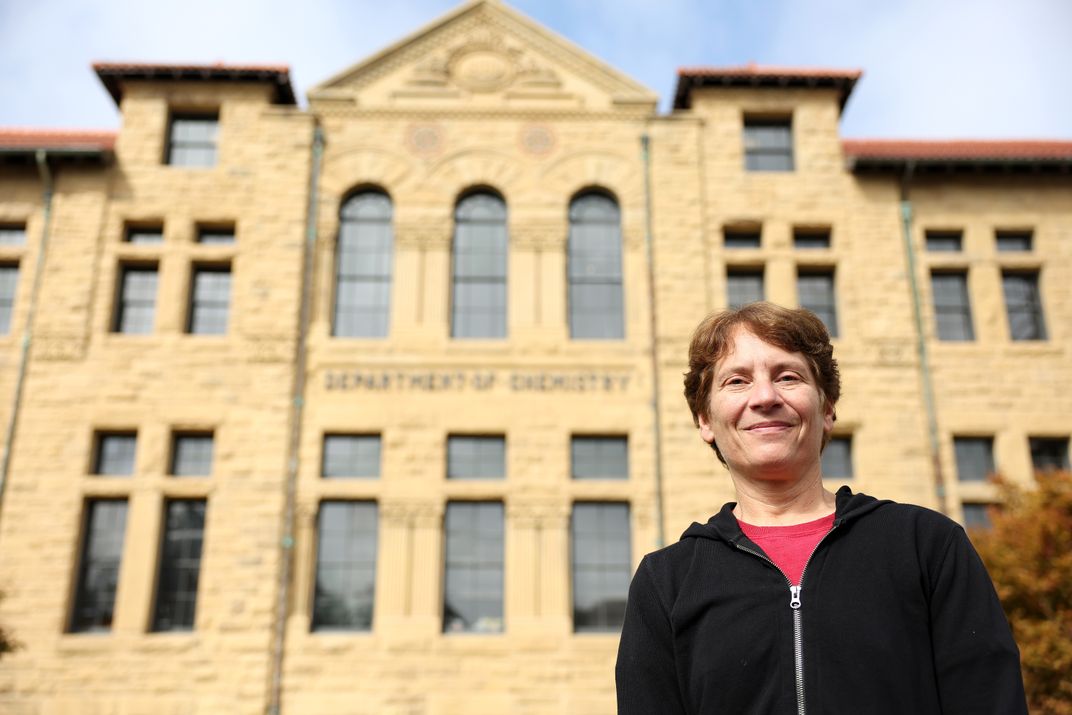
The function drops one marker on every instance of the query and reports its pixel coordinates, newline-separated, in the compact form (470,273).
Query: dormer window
(192,140)
(768,145)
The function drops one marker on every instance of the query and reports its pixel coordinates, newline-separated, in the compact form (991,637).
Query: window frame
(827,313)
(197,301)
(73,623)
(963,310)
(178,436)
(1031,308)
(171,144)
(357,438)
(618,440)
(738,272)
(752,127)
(496,281)
(158,623)
(624,567)
(610,319)
(317,622)
(7,303)
(960,458)
(96,466)
(122,303)
(474,563)
(361,230)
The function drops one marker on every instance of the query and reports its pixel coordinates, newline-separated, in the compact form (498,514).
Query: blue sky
(932,68)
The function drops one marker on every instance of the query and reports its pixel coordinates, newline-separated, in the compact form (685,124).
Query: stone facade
(480,98)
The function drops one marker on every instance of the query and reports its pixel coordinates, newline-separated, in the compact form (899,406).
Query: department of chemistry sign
(475,380)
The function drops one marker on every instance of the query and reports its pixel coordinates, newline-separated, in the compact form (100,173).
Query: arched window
(594,268)
(363,266)
(478,306)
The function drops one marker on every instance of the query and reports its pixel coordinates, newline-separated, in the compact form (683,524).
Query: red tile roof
(56,139)
(753,75)
(112,74)
(958,150)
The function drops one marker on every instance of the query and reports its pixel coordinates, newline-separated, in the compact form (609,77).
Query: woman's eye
(788,377)
(735,381)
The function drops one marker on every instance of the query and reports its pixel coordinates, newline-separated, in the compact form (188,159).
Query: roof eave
(865,164)
(112,77)
(688,82)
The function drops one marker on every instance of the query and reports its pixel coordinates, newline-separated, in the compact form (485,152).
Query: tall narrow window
(1023,305)
(815,291)
(768,145)
(476,457)
(480,253)
(98,569)
(743,286)
(191,454)
(975,458)
(210,300)
(135,307)
(180,565)
(595,268)
(345,566)
(837,458)
(952,308)
(601,565)
(473,592)
(9,283)
(351,455)
(114,453)
(599,458)
(1049,453)
(192,140)
(363,267)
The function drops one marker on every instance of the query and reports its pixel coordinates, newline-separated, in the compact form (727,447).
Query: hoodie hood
(723,526)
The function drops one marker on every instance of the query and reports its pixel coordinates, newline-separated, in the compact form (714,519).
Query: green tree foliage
(1028,552)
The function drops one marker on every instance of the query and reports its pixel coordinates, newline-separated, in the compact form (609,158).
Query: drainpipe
(645,149)
(296,413)
(27,331)
(921,341)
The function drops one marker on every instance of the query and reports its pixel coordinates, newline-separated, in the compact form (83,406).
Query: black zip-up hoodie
(896,615)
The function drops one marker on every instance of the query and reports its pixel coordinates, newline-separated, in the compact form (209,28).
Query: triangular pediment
(484,55)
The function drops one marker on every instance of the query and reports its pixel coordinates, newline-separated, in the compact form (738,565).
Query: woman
(793,599)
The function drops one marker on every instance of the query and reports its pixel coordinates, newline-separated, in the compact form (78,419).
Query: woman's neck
(781,503)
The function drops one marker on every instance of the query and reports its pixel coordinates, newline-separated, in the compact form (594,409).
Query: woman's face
(766,412)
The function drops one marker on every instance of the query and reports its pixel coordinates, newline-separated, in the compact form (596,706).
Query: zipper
(795,604)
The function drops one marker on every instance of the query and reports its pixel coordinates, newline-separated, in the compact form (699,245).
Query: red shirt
(789,546)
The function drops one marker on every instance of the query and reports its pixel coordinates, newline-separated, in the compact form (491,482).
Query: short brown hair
(793,330)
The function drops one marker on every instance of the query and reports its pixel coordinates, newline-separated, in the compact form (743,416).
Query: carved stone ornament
(425,139)
(537,139)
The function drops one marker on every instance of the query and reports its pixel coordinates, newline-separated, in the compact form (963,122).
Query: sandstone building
(373,406)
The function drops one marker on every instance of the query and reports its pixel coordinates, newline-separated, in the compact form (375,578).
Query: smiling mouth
(767,427)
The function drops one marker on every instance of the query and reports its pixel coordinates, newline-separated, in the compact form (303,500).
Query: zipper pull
(794,597)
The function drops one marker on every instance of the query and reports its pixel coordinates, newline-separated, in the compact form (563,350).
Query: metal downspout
(27,331)
(921,341)
(296,414)
(645,147)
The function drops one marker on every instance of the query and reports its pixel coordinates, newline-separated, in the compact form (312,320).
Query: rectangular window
(114,453)
(594,268)
(599,458)
(768,145)
(1049,453)
(743,286)
(215,236)
(1023,305)
(741,238)
(811,238)
(473,589)
(1013,241)
(180,565)
(976,516)
(815,291)
(144,235)
(952,308)
(975,458)
(602,564)
(136,300)
(98,569)
(837,458)
(210,300)
(192,140)
(944,241)
(9,284)
(476,457)
(345,566)
(12,235)
(351,455)
(191,454)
